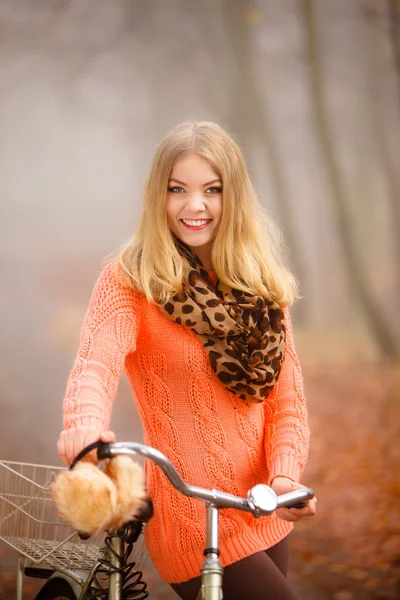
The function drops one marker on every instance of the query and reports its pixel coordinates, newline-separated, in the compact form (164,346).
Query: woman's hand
(72,441)
(283,485)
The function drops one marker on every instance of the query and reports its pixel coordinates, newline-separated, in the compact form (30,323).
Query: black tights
(261,576)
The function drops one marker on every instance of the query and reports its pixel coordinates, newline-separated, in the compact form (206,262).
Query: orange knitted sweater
(213,438)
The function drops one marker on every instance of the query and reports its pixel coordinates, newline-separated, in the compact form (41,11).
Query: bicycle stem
(212,529)
(211,571)
(115,577)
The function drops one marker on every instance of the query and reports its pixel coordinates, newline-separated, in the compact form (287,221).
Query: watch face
(263,497)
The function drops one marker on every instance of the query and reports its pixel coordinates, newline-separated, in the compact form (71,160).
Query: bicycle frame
(261,500)
(211,571)
(79,580)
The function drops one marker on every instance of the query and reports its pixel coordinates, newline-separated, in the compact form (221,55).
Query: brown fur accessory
(91,499)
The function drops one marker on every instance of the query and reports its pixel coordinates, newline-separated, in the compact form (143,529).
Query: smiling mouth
(195,224)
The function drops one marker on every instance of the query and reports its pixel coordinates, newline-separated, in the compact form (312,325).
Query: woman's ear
(85,497)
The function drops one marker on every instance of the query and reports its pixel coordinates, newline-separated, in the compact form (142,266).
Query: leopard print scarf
(244,335)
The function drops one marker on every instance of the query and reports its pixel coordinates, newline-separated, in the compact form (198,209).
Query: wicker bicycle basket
(29,520)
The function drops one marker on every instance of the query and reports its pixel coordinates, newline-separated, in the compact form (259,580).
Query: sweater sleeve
(109,332)
(287,432)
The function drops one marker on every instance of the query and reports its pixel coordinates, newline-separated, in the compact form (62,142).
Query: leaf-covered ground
(351,549)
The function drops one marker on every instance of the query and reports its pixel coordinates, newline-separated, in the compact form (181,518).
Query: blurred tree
(251,120)
(394,15)
(384,336)
(376,121)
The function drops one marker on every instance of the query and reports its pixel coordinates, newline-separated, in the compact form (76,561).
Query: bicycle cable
(133,585)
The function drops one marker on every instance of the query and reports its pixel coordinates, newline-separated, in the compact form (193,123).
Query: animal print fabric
(243,335)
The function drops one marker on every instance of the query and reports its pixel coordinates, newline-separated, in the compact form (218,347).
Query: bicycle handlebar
(261,501)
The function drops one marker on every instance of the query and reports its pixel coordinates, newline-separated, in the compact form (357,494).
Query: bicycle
(75,569)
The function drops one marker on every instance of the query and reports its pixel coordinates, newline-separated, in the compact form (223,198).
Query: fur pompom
(92,500)
(128,478)
(85,497)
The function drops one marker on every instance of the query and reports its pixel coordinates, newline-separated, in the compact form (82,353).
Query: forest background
(310,89)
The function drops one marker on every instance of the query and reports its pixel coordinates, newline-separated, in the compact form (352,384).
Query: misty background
(311,92)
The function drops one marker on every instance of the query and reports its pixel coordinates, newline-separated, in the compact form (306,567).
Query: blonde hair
(247,252)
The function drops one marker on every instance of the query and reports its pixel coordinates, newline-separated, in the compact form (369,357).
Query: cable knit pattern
(247,428)
(210,433)
(161,425)
(286,415)
(209,430)
(213,438)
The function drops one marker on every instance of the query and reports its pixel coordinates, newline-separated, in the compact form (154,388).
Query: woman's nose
(196,201)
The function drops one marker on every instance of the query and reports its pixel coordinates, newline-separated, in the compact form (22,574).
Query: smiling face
(194,204)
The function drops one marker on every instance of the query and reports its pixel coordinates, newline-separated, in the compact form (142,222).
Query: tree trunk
(252,121)
(394,16)
(382,333)
(387,163)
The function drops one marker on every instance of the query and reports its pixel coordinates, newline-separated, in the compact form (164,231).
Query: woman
(196,310)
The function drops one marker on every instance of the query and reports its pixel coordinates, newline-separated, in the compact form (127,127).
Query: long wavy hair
(247,253)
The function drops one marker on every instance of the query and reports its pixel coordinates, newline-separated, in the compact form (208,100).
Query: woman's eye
(176,189)
(214,190)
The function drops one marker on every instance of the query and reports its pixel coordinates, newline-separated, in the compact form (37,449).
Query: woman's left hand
(283,485)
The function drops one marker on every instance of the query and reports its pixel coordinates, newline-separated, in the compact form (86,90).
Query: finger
(107,436)
(307,511)
(77,440)
(286,515)
(61,449)
(81,439)
(311,507)
(295,514)
(313,504)
(89,438)
(72,442)
(69,447)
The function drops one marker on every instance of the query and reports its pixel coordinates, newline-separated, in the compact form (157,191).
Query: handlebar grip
(300,504)
(296,499)
(103,451)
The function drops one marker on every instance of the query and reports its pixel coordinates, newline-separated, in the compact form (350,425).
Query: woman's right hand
(72,441)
